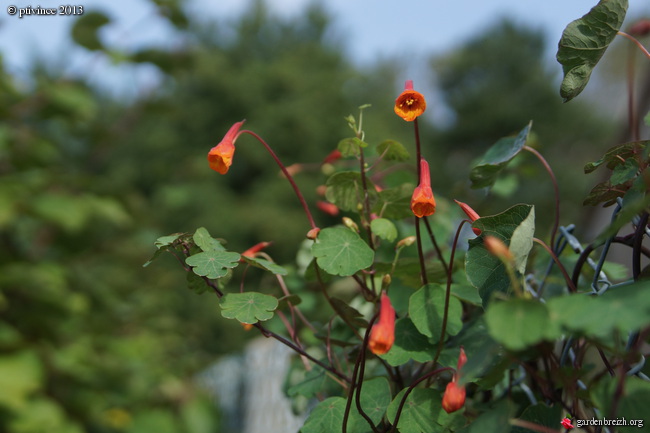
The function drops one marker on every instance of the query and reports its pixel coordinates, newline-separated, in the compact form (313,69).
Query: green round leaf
(326,417)
(426,309)
(393,151)
(420,412)
(248,307)
(351,146)
(384,228)
(486,272)
(340,251)
(203,240)
(497,157)
(517,323)
(345,189)
(409,344)
(213,264)
(266,265)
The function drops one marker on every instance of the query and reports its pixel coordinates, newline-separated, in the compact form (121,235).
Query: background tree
(494,85)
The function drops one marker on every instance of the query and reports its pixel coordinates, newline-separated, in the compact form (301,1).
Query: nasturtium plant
(408,317)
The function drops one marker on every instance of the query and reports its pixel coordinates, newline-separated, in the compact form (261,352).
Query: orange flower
(410,104)
(220,156)
(471,214)
(454,397)
(422,201)
(382,334)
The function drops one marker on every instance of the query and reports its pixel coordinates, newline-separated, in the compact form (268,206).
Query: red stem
(287,175)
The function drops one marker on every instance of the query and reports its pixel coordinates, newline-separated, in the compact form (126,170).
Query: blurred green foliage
(92,342)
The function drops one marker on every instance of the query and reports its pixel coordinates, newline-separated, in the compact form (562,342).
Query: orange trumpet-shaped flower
(422,202)
(454,396)
(220,156)
(410,104)
(382,334)
(471,214)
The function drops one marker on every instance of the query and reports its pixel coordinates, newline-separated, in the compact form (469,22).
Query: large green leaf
(426,309)
(584,42)
(540,414)
(497,157)
(384,228)
(486,272)
(409,344)
(265,264)
(375,398)
(494,420)
(248,307)
(340,251)
(213,264)
(345,189)
(351,146)
(419,413)
(395,202)
(203,240)
(517,323)
(326,417)
(624,309)
(392,150)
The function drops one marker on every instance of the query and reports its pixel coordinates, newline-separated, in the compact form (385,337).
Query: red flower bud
(333,156)
(328,208)
(471,214)
(382,334)
(255,249)
(454,397)
(640,28)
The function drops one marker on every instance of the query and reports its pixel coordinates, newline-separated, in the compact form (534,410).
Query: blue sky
(368,28)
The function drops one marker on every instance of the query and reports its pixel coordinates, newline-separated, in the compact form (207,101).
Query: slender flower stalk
(314,227)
